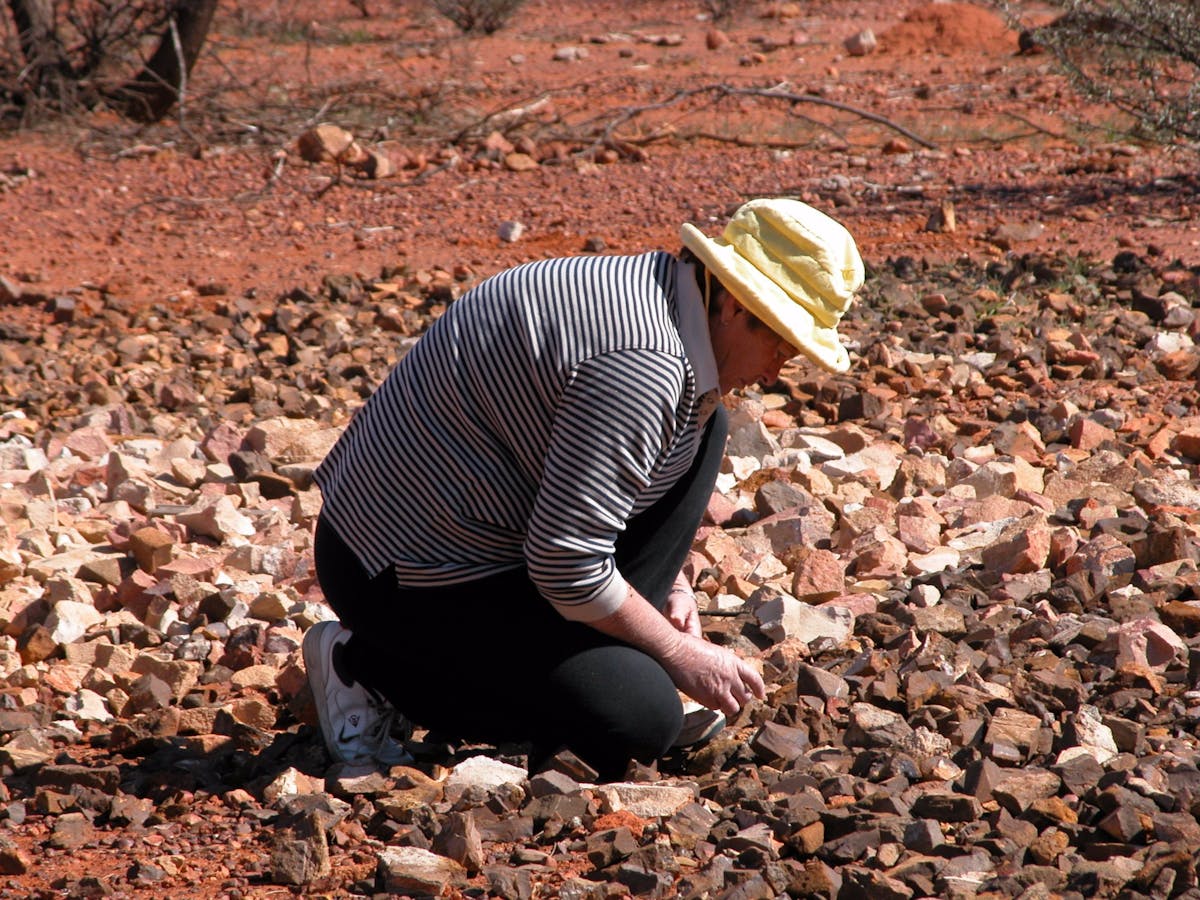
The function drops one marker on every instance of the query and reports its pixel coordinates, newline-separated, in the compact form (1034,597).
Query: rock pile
(968,569)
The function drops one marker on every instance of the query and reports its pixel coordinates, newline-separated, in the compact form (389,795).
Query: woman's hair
(704,278)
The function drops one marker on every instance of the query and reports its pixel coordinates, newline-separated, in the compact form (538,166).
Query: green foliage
(471,16)
(1140,56)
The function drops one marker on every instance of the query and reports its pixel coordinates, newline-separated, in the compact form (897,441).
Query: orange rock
(1087,434)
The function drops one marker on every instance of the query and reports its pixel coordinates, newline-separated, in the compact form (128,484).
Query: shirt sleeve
(615,422)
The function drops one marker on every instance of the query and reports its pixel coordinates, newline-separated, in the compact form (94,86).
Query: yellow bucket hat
(792,266)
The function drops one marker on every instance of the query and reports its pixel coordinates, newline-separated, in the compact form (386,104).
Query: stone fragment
(459,840)
(510,232)
(285,440)
(412,870)
(69,621)
(1005,478)
(1020,790)
(816,575)
(605,848)
(689,824)
(324,143)
(871,726)
(1143,645)
(1091,735)
(71,831)
(552,781)
(1048,846)
(87,706)
(878,555)
(219,520)
(1012,726)
(570,54)
(520,162)
(299,851)
(943,806)
(179,675)
(800,526)
(861,43)
(923,835)
(818,682)
(1023,552)
(288,783)
(774,741)
(715,39)
(259,677)
(13,860)
(1079,772)
(151,547)
(483,773)
(648,801)
(781,617)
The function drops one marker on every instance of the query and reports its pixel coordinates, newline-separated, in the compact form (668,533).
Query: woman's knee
(617,704)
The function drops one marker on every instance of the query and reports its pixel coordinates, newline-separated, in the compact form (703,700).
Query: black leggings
(491,660)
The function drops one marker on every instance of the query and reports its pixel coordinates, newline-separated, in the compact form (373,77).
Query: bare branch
(720,91)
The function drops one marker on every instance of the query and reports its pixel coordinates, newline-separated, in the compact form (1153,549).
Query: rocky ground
(968,567)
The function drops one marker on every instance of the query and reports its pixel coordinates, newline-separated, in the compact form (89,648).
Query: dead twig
(720,91)
(1041,129)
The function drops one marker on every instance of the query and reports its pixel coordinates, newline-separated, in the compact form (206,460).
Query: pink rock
(1088,435)
(720,509)
(223,440)
(715,39)
(1005,478)
(861,604)
(818,574)
(201,568)
(1104,555)
(879,555)
(805,526)
(861,44)
(324,143)
(918,533)
(1026,551)
(287,440)
(1145,644)
(90,442)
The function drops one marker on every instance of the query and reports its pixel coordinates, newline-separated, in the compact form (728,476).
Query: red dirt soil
(95,208)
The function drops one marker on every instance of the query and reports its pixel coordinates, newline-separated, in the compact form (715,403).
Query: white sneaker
(356,722)
(700,724)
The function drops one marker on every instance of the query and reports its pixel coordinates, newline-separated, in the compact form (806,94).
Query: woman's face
(747,351)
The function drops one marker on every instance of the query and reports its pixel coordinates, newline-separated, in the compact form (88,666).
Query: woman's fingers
(682,612)
(752,680)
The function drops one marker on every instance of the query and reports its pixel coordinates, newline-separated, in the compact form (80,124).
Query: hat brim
(767,301)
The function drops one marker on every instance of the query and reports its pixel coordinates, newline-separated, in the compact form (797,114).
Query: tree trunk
(46,67)
(150,95)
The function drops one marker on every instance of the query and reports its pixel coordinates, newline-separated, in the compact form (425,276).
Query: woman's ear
(728,308)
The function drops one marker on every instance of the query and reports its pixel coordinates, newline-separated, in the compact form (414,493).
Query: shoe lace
(380,727)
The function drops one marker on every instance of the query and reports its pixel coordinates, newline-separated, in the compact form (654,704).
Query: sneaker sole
(700,726)
(317,647)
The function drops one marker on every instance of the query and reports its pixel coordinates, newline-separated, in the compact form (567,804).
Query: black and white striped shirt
(545,408)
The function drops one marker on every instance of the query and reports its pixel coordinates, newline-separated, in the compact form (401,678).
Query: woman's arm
(681,610)
(712,675)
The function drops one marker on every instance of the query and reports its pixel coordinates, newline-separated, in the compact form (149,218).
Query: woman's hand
(712,675)
(681,611)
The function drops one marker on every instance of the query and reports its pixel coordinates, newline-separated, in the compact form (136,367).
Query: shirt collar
(693,328)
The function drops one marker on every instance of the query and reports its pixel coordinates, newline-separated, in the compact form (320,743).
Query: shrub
(720,10)
(484,16)
(1140,56)
(134,55)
